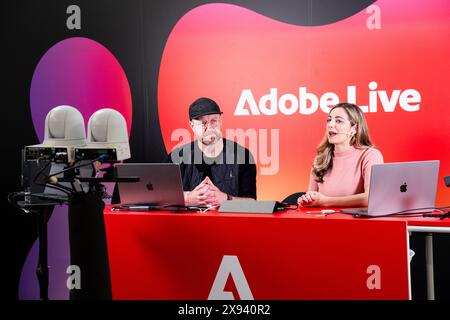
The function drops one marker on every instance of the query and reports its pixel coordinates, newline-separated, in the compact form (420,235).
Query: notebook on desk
(400,187)
(159,186)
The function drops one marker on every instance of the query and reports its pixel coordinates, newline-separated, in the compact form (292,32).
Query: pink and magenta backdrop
(218,50)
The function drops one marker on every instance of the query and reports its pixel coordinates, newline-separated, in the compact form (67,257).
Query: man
(213,168)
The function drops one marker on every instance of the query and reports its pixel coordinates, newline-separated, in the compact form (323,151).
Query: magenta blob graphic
(81,73)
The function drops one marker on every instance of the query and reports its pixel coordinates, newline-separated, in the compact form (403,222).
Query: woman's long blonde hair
(324,159)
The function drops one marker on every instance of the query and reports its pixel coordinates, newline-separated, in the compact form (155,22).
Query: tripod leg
(42,268)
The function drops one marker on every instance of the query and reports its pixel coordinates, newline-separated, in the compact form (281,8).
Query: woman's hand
(312,199)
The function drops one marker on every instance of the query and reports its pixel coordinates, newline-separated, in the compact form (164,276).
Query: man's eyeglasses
(212,123)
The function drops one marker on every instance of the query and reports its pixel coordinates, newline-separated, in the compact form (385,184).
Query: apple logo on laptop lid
(403,187)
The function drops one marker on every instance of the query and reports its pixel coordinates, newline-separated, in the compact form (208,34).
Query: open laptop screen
(401,187)
(159,184)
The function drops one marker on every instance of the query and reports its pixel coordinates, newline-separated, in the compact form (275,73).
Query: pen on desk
(322,211)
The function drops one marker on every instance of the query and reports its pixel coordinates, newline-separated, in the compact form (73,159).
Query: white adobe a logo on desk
(230,266)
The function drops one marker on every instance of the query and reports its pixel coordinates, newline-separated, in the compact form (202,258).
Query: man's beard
(213,137)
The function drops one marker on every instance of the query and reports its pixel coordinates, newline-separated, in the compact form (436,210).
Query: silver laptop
(401,187)
(160,185)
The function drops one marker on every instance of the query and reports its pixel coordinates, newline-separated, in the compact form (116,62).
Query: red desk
(290,255)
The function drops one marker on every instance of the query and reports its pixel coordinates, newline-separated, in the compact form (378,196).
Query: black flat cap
(203,107)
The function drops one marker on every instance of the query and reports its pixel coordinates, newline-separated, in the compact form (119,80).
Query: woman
(340,174)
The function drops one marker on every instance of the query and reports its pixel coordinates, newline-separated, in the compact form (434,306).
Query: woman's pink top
(350,173)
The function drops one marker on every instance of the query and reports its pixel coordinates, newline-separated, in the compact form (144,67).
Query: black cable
(445,215)
(66,190)
(48,163)
(13,195)
(285,206)
(59,186)
(56,186)
(41,171)
(91,163)
(94,170)
(399,213)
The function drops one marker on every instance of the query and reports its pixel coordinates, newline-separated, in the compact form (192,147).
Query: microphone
(346,133)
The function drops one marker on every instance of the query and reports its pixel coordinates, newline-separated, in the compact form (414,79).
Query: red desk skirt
(291,255)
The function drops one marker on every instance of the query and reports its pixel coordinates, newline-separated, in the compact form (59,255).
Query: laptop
(400,187)
(160,186)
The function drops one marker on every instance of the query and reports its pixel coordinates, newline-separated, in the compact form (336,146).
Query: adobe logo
(149,186)
(230,266)
(403,187)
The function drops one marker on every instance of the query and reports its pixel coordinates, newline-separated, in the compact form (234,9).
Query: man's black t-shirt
(207,163)
(233,171)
